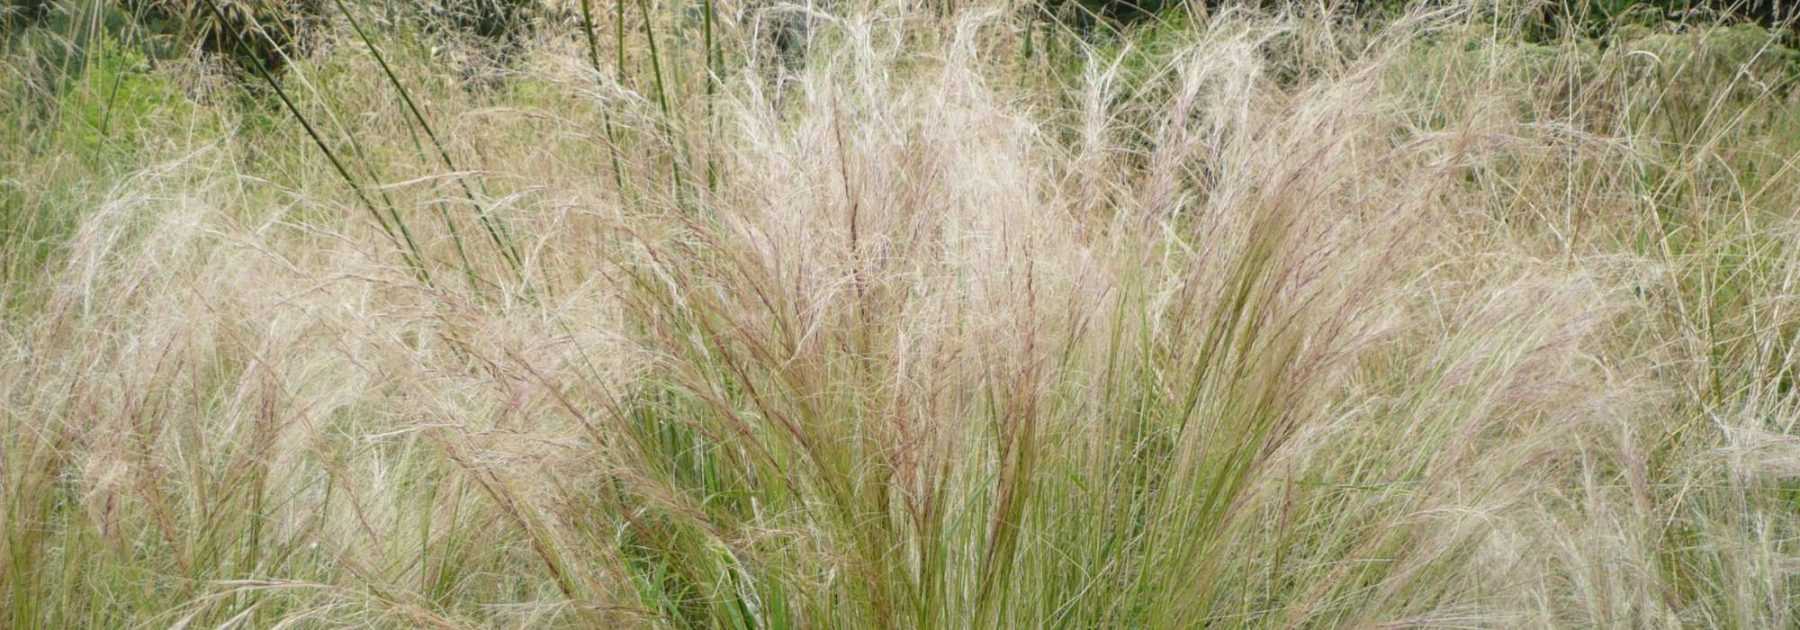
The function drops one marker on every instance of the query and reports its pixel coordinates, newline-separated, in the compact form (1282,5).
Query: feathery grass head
(1251,319)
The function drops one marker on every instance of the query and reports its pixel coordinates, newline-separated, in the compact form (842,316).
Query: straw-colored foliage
(939,318)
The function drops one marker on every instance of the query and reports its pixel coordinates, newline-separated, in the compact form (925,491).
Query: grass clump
(1251,319)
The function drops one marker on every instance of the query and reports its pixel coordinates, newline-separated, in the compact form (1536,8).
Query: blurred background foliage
(79,71)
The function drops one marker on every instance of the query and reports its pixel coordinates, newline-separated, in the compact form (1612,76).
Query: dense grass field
(872,314)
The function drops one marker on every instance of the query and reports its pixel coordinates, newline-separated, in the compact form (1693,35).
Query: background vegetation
(694,313)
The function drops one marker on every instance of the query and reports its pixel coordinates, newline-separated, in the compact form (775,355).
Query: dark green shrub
(499,21)
(248,33)
(19,14)
(498,27)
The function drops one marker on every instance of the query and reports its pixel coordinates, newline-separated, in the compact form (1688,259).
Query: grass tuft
(905,316)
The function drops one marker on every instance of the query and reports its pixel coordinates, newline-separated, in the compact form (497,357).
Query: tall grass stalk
(496,232)
(670,127)
(612,139)
(412,254)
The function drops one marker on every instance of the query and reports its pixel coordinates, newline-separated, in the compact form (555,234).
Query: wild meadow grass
(708,314)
